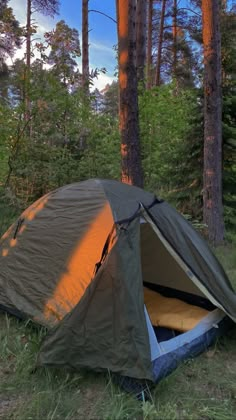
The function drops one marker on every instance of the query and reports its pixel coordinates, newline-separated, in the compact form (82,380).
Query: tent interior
(176,310)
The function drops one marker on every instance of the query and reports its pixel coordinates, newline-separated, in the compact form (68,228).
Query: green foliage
(65,48)
(228,24)
(10,32)
(171,149)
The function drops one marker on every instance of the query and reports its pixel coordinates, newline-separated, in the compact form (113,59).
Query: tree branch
(104,14)
(190,10)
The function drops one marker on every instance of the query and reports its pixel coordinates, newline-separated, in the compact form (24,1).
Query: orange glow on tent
(28,214)
(7,233)
(5,252)
(33,210)
(80,268)
(13,243)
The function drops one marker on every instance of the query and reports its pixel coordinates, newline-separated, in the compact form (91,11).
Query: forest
(166,123)
(57,129)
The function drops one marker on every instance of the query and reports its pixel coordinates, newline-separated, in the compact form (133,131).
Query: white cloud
(102,81)
(101,47)
(19,9)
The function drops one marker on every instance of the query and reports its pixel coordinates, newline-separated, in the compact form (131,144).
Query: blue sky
(102,35)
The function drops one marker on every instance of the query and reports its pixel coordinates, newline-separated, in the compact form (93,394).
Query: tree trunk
(85,47)
(149,45)
(160,42)
(212,176)
(174,32)
(141,39)
(131,170)
(28,61)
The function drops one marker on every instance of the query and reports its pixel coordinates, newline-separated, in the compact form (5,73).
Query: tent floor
(164,334)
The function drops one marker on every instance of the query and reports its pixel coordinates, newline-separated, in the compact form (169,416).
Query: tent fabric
(54,253)
(106,330)
(170,274)
(52,272)
(172,313)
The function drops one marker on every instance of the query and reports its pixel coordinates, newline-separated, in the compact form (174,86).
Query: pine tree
(128,103)
(212,175)
(85,46)
(65,48)
(149,44)
(141,38)
(46,7)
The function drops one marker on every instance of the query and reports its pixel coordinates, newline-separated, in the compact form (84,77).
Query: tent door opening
(176,309)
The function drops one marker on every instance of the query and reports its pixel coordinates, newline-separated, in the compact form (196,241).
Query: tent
(122,281)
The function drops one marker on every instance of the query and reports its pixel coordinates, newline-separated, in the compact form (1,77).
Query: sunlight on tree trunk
(212,177)
(128,101)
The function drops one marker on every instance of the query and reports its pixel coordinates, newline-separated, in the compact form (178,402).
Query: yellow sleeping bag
(171,312)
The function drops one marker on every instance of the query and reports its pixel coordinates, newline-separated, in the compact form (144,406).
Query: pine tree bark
(212,176)
(131,170)
(141,38)
(160,42)
(85,47)
(149,45)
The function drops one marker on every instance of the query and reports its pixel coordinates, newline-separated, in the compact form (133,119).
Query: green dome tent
(122,281)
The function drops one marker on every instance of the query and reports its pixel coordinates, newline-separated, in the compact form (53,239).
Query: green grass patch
(203,388)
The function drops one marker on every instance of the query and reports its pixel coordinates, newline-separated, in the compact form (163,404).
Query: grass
(203,388)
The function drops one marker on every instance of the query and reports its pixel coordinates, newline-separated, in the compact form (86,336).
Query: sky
(102,34)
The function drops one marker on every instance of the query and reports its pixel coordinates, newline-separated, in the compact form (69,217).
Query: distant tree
(128,101)
(10,40)
(174,32)
(46,7)
(160,42)
(65,48)
(10,32)
(212,178)
(141,38)
(149,44)
(85,46)
(110,100)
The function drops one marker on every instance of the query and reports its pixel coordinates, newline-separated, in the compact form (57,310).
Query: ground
(203,388)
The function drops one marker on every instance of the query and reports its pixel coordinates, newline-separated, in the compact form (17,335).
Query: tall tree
(85,46)
(10,32)
(128,94)
(149,44)
(65,48)
(212,177)
(160,42)
(47,7)
(141,38)
(10,39)
(174,31)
